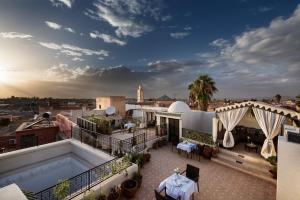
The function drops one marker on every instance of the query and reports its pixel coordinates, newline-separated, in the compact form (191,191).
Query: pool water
(42,175)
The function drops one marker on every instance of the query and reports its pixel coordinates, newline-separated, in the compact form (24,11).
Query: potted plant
(138,177)
(155,145)
(61,190)
(140,160)
(215,150)
(129,188)
(273,161)
(114,193)
(147,156)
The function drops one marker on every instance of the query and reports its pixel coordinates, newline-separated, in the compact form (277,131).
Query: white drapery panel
(270,123)
(230,119)
(215,129)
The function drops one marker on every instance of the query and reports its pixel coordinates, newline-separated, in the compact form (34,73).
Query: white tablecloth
(186,146)
(178,185)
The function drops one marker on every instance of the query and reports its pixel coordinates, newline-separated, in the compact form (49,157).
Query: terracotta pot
(129,188)
(147,157)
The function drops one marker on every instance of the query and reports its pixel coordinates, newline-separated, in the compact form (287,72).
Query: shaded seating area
(269,118)
(242,134)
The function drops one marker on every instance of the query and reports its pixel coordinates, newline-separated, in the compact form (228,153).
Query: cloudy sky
(88,48)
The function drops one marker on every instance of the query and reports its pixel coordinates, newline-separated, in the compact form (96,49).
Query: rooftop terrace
(216,182)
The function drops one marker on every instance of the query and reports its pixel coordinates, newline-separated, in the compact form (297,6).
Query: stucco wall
(117,101)
(288,176)
(198,120)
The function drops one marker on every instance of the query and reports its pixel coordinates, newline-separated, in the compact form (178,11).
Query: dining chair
(199,150)
(192,173)
(159,196)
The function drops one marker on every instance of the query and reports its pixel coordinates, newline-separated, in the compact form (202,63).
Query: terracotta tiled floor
(216,182)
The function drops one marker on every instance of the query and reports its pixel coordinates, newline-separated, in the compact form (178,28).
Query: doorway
(173,130)
(28,141)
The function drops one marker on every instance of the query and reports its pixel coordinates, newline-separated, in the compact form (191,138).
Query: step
(261,167)
(239,166)
(246,158)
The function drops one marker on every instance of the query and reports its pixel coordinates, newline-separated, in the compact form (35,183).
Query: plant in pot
(147,156)
(273,161)
(129,188)
(215,150)
(155,145)
(138,177)
(140,161)
(114,193)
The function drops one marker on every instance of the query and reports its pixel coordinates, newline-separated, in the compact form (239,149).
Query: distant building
(118,102)
(140,94)
(40,132)
(164,101)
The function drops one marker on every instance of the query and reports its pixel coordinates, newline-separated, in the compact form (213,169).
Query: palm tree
(278,98)
(202,90)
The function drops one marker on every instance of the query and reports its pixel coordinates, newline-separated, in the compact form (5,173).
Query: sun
(3,75)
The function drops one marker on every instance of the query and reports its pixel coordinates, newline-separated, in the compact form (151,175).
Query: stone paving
(216,182)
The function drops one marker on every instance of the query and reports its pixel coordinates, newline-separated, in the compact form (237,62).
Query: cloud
(179,35)
(57,26)
(15,35)
(53,25)
(174,65)
(77,59)
(264,8)
(72,50)
(70,30)
(63,72)
(187,28)
(58,3)
(107,38)
(267,56)
(126,16)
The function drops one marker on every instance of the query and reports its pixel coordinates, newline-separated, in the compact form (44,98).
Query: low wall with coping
(24,157)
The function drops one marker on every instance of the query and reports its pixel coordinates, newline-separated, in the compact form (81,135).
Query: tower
(140,94)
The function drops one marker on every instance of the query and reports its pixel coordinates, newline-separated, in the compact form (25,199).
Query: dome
(178,107)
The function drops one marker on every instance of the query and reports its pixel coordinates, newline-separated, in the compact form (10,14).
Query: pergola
(269,117)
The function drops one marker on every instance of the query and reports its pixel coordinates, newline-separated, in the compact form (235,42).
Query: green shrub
(61,190)
(197,136)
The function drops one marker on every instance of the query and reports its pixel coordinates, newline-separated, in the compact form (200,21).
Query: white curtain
(230,119)
(215,128)
(270,123)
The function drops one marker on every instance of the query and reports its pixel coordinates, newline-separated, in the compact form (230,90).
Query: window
(99,106)
(12,141)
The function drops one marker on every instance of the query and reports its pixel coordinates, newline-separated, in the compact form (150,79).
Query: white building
(140,94)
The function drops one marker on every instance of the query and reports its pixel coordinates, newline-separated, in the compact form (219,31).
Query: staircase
(247,164)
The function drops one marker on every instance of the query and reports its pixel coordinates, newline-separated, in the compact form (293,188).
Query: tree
(202,90)
(278,98)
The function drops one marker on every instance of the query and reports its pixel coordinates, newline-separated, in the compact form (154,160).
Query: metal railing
(84,181)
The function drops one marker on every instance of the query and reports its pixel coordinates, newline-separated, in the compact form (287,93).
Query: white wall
(20,158)
(198,120)
(288,176)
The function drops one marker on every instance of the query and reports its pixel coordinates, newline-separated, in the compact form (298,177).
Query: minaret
(140,94)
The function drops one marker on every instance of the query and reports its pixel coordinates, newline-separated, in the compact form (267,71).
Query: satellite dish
(47,115)
(35,117)
(110,110)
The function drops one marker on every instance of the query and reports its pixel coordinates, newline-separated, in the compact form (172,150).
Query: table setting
(179,186)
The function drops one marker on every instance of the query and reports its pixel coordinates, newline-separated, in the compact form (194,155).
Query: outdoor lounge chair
(159,196)
(192,173)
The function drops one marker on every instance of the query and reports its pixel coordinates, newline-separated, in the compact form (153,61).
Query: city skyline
(84,49)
